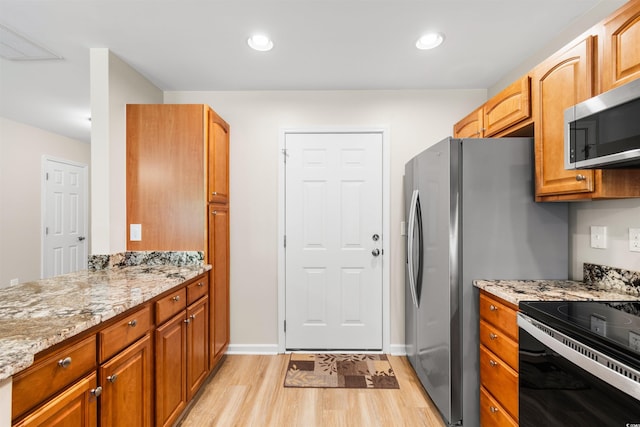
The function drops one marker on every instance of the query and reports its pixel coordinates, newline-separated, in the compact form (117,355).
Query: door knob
(375,237)
(81,238)
(375,252)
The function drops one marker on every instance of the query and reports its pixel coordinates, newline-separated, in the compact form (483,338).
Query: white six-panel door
(333,227)
(65,218)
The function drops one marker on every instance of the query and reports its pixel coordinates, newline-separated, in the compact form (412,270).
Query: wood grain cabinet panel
(51,374)
(509,107)
(197,345)
(471,126)
(127,381)
(124,332)
(197,289)
(219,293)
(499,343)
(76,406)
(492,414)
(499,314)
(621,47)
(500,380)
(170,305)
(218,173)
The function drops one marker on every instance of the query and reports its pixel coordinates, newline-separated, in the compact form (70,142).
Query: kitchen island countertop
(37,315)
(515,291)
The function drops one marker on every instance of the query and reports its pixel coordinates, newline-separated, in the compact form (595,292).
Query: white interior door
(333,253)
(64,248)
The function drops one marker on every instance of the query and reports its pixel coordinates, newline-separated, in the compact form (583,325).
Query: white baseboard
(398,350)
(252,349)
(394,349)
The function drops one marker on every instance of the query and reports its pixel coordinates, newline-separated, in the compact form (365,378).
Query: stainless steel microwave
(603,132)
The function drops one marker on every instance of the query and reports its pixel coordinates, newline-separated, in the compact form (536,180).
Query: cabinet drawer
(499,315)
(500,380)
(122,333)
(170,305)
(51,374)
(491,413)
(499,343)
(197,289)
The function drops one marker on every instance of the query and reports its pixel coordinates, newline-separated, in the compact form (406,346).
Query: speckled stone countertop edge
(35,316)
(515,291)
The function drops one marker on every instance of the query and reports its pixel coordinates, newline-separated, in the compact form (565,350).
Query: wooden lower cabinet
(219,286)
(182,360)
(126,380)
(498,362)
(76,406)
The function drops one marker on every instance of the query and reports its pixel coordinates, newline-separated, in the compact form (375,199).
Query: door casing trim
(386,227)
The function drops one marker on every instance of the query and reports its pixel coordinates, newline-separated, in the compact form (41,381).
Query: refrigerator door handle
(412,224)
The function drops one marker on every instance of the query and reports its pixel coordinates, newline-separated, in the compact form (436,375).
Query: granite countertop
(515,291)
(37,315)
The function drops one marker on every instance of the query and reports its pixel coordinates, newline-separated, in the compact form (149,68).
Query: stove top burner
(611,326)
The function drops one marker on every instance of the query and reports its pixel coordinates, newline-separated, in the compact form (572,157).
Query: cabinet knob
(64,363)
(492,336)
(493,308)
(214,212)
(133,323)
(176,298)
(493,363)
(581,177)
(193,316)
(214,193)
(187,321)
(112,378)
(200,284)
(493,409)
(96,392)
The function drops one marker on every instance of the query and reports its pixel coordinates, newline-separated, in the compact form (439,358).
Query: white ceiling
(200,45)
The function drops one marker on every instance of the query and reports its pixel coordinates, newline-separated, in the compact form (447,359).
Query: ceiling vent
(16,47)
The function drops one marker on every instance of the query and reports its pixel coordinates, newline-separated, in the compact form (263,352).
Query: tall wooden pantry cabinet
(178,191)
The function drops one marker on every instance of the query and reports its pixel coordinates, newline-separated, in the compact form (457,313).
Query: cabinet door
(171,370)
(219,284)
(76,406)
(471,126)
(560,82)
(621,50)
(511,106)
(197,345)
(127,387)
(218,162)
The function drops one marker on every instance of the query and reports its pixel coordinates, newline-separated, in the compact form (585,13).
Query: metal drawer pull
(176,298)
(493,363)
(493,409)
(581,177)
(493,308)
(133,323)
(96,391)
(492,336)
(112,378)
(64,363)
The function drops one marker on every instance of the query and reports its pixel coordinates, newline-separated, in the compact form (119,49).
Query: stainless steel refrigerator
(470,214)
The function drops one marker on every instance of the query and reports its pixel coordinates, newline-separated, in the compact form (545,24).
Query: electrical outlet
(634,341)
(634,239)
(598,236)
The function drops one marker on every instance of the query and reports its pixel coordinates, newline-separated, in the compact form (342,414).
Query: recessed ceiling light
(429,41)
(260,42)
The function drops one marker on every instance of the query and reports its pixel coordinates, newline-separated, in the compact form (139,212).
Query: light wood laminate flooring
(248,391)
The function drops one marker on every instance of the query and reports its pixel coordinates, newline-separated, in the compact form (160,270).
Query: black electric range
(611,327)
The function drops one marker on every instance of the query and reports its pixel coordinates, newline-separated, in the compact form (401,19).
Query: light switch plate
(135,232)
(634,239)
(598,236)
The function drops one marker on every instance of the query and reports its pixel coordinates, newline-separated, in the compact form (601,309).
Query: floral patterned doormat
(340,371)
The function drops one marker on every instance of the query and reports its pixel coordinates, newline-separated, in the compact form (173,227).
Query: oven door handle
(611,377)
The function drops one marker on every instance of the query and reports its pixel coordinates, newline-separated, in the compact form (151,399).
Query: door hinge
(285,326)
(46,231)
(285,241)
(285,154)
(46,176)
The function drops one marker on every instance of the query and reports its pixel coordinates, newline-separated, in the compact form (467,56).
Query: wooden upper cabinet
(511,106)
(471,126)
(621,47)
(218,159)
(559,82)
